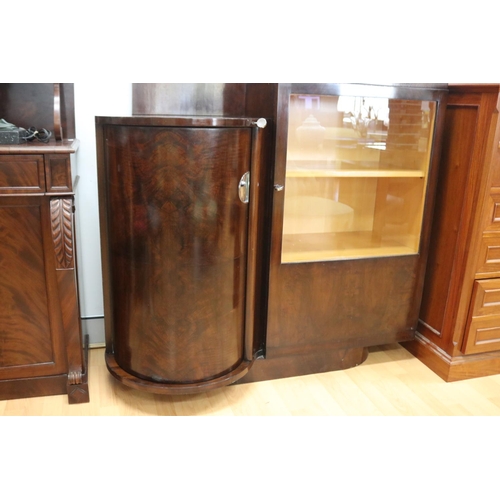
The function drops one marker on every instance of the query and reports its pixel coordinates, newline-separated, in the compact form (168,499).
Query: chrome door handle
(278,187)
(244,188)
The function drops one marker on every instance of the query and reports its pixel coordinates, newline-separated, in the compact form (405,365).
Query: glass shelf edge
(355,173)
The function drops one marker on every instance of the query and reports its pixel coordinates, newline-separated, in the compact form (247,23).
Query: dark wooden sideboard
(41,343)
(333,248)
(41,349)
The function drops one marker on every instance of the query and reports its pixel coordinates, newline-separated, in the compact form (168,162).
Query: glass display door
(356,176)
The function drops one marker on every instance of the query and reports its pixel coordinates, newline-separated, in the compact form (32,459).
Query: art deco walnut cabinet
(354,173)
(327,258)
(41,351)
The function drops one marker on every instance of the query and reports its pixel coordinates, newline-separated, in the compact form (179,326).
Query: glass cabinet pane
(356,176)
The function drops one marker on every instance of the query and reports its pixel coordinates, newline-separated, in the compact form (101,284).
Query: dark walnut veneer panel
(341,304)
(29,330)
(58,173)
(177,250)
(21,174)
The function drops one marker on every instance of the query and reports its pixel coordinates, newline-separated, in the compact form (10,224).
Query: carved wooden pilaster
(78,381)
(61,212)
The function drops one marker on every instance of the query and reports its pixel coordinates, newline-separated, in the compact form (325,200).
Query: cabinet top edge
(62,147)
(176,121)
(474,87)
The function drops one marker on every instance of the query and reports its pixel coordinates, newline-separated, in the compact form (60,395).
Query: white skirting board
(94,328)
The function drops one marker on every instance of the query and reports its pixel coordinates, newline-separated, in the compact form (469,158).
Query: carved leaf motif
(62,231)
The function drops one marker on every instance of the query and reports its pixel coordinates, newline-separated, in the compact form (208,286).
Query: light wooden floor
(390,382)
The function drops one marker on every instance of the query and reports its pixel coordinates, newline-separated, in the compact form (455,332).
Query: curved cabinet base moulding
(174,389)
(305,364)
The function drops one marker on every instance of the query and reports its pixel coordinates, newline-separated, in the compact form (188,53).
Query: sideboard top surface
(53,147)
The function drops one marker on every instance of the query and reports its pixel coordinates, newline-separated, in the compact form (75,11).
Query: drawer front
(21,174)
(58,173)
(492,222)
(488,263)
(489,254)
(486,298)
(483,324)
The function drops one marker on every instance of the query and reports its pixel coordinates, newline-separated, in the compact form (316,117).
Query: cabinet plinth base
(305,364)
(453,368)
(174,389)
(36,387)
(33,387)
(75,385)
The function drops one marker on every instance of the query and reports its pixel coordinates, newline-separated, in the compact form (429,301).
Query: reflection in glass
(356,176)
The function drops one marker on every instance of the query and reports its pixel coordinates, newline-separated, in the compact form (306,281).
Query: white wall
(91,100)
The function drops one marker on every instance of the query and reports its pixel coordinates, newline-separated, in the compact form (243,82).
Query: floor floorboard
(391,382)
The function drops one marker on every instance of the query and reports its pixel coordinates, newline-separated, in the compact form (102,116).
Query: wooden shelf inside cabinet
(340,168)
(298,173)
(337,246)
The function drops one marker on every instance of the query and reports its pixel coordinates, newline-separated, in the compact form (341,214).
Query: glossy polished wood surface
(177,249)
(30,328)
(212,99)
(340,304)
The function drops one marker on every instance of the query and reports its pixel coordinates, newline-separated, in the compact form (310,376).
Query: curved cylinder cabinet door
(177,255)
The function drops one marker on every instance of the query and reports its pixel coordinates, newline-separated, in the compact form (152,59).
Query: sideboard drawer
(492,210)
(482,333)
(489,255)
(22,174)
(486,298)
